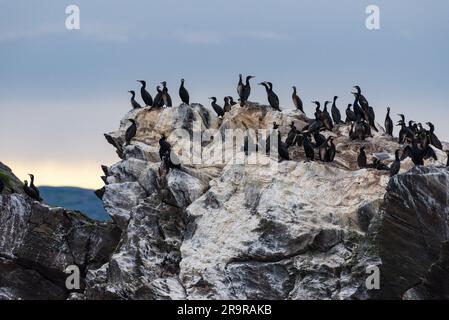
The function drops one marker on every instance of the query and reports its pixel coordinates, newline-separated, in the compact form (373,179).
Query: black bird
(158,102)
(361,99)
(325,116)
(291,137)
(183,93)
(134,103)
(388,123)
(319,138)
(32,186)
(131,131)
(317,110)
(165,95)
(273,99)
(297,100)
(247,89)
(350,115)
(372,118)
(396,165)
(323,151)
(356,106)
(359,130)
(433,138)
(231,101)
(168,158)
(146,96)
(331,151)
(218,110)
(227,105)
(240,89)
(415,153)
(308,149)
(405,132)
(336,115)
(31,192)
(361,159)
(283,151)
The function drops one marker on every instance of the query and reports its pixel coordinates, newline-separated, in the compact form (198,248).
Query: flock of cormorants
(361,117)
(414,136)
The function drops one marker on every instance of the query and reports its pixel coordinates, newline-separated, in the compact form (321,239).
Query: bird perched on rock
(388,123)
(134,103)
(231,101)
(227,105)
(146,96)
(35,189)
(308,149)
(417,153)
(158,101)
(326,118)
(131,131)
(218,110)
(405,133)
(168,158)
(433,138)
(165,95)
(361,159)
(350,115)
(297,100)
(291,137)
(31,192)
(247,89)
(273,99)
(396,165)
(183,93)
(331,150)
(336,115)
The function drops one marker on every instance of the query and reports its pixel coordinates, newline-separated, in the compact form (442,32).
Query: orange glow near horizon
(83,175)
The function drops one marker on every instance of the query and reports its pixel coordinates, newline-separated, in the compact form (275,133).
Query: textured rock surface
(289,230)
(37,243)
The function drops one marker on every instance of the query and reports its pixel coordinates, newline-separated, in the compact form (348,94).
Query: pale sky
(61,90)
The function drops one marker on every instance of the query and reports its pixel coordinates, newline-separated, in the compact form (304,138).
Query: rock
(37,243)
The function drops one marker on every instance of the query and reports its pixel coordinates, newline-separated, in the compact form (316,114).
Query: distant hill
(75,199)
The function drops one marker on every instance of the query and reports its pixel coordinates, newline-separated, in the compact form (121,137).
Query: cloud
(210,37)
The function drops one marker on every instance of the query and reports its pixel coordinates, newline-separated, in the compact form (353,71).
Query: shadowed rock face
(37,243)
(289,230)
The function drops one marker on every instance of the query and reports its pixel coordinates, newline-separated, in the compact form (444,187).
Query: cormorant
(331,150)
(227,105)
(356,106)
(388,123)
(327,120)
(216,107)
(350,115)
(319,138)
(131,131)
(358,130)
(361,99)
(291,137)
(405,132)
(273,99)
(134,103)
(240,88)
(231,101)
(415,153)
(336,115)
(30,192)
(433,138)
(372,118)
(317,110)
(165,96)
(146,96)
(36,190)
(247,89)
(297,100)
(361,159)
(158,101)
(183,93)
(396,165)
(283,151)
(322,151)
(308,149)
(166,155)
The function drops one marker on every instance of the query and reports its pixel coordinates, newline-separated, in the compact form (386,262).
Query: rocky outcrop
(219,229)
(38,243)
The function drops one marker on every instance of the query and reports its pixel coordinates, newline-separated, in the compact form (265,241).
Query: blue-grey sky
(60,89)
